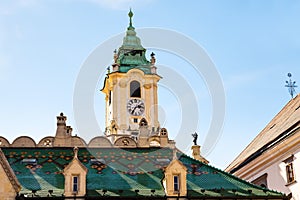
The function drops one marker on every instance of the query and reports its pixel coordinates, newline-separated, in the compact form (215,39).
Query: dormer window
(75,184)
(176,183)
(75,177)
(135,89)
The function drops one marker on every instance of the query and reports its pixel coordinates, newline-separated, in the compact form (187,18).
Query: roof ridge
(233,176)
(285,109)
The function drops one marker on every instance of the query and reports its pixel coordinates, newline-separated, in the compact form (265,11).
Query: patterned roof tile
(123,172)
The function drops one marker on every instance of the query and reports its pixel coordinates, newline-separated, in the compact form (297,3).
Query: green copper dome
(132,54)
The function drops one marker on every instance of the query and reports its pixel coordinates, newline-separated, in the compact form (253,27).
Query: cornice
(268,158)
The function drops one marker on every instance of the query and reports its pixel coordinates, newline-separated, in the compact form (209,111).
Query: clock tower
(130,89)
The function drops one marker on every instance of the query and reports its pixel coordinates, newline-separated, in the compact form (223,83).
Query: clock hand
(133,109)
(137,106)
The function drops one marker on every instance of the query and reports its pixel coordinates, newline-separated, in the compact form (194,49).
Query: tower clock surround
(136,107)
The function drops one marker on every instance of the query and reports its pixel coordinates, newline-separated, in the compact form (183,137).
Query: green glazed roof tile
(132,54)
(123,172)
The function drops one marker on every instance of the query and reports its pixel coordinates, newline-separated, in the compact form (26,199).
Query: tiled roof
(284,123)
(132,54)
(123,172)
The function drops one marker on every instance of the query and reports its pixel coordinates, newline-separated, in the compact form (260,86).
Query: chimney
(63,132)
(196,154)
(61,120)
(61,126)
(69,130)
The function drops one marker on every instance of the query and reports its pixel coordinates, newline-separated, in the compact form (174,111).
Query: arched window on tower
(143,122)
(135,89)
(109,97)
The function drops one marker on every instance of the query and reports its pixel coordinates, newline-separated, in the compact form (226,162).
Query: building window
(75,184)
(289,169)
(47,143)
(176,183)
(109,97)
(261,181)
(290,173)
(135,120)
(163,132)
(135,89)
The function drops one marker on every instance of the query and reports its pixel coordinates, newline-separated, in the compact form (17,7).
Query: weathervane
(291,85)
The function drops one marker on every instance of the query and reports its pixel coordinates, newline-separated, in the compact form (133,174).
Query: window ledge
(291,183)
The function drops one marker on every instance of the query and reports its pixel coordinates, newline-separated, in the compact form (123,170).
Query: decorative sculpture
(195,135)
(291,85)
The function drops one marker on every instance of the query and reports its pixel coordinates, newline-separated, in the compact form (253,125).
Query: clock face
(135,107)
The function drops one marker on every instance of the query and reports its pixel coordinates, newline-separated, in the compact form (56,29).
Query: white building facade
(272,159)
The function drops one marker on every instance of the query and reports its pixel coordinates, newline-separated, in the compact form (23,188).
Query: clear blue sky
(254,44)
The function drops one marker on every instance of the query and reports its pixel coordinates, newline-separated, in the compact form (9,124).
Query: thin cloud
(121,4)
(4,65)
(12,7)
(239,80)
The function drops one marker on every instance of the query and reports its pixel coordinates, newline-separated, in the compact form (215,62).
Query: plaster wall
(7,191)
(277,178)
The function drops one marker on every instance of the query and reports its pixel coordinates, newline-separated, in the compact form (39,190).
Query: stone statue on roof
(195,136)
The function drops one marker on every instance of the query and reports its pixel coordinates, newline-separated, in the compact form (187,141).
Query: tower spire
(130,14)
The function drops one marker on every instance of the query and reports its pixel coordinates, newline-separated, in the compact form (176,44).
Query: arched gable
(100,141)
(154,141)
(46,142)
(78,142)
(23,141)
(125,142)
(4,142)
